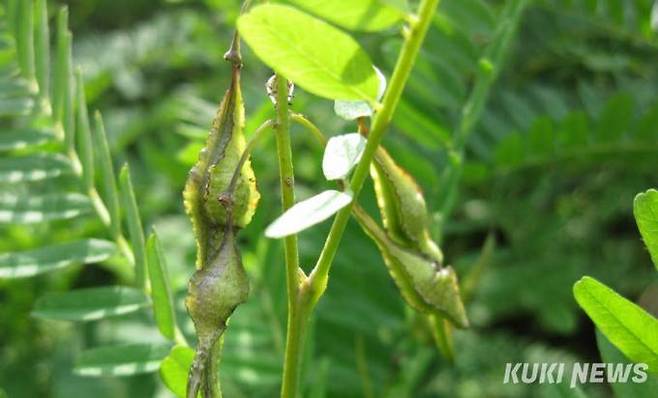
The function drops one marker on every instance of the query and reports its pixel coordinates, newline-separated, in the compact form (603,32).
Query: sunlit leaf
(90,304)
(308,213)
(50,258)
(122,360)
(316,56)
(341,154)
(629,327)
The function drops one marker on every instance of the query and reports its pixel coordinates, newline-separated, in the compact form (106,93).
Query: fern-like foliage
(57,177)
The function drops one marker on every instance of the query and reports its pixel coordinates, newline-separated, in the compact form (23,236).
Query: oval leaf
(174,369)
(308,213)
(17,209)
(90,304)
(49,258)
(316,56)
(365,15)
(33,168)
(341,154)
(645,209)
(123,360)
(629,327)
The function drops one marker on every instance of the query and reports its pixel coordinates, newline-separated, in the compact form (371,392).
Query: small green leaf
(134,222)
(108,179)
(83,134)
(645,209)
(316,56)
(341,154)
(45,259)
(33,167)
(163,304)
(23,138)
(174,369)
(122,360)
(629,327)
(365,15)
(308,213)
(90,304)
(36,209)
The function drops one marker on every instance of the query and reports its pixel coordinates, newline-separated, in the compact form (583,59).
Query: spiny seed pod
(214,292)
(211,175)
(414,261)
(424,284)
(402,206)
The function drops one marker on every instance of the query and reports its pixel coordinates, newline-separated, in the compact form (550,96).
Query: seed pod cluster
(414,260)
(217,209)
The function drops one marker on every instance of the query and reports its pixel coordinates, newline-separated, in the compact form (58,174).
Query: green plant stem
(213,387)
(413,40)
(296,319)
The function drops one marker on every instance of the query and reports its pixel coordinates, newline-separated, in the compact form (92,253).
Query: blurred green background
(568,137)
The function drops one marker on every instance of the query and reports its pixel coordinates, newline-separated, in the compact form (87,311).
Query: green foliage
(550,168)
(324,61)
(627,325)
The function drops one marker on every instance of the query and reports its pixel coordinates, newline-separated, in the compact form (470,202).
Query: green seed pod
(424,284)
(214,292)
(402,206)
(211,175)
